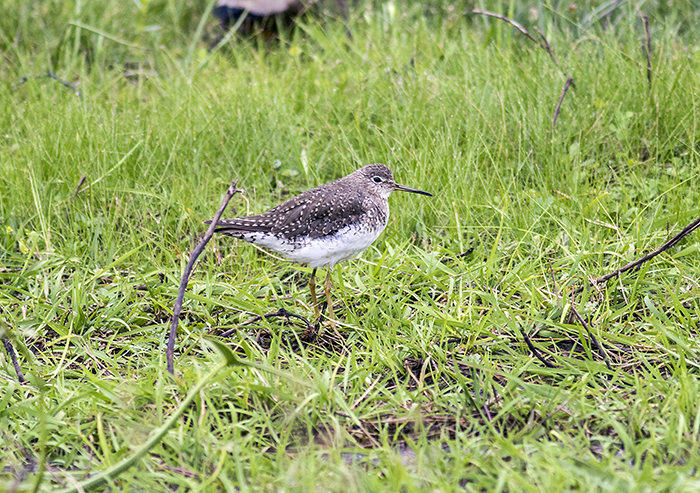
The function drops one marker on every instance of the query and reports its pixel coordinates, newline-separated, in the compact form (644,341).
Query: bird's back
(316,213)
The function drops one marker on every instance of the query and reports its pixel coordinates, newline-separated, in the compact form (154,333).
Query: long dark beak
(404,188)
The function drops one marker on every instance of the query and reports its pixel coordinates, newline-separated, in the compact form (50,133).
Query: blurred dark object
(264,16)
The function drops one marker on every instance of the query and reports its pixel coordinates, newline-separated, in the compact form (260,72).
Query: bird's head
(379,179)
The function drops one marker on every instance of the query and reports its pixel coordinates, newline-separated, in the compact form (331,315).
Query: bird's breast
(332,249)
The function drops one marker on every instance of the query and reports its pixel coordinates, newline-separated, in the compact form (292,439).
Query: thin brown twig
(80,184)
(13,356)
(410,372)
(488,413)
(373,440)
(535,351)
(616,273)
(519,27)
(636,263)
(545,46)
(569,81)
(279,313)
(366,392)
(591,336)
(645,18)
(232,190)
(52,75)
(469,251)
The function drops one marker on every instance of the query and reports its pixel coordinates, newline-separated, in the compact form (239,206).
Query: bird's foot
(330,318)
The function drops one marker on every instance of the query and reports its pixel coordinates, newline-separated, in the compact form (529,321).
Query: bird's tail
(239,226)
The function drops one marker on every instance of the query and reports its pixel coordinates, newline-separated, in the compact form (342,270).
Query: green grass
(433,388)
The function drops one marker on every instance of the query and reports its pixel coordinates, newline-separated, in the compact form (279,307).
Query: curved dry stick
(80,184)
(536,353)
(51,75)
(591,336)
(568,84)
(545,46)
(645,18)
(636,263)
(604,279)
(11,351)
(279,313)
(186,275)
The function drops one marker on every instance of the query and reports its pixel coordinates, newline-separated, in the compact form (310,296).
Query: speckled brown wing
(316,213)
(311,214)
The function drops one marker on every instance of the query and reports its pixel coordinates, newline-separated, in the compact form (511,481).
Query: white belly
(259,7)
(318,252)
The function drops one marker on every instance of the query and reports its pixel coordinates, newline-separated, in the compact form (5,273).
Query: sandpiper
(324,225)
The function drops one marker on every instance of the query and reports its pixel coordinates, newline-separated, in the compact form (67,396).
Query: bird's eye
(376,179)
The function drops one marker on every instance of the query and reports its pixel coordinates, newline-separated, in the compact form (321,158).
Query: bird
(325,225)
(259,13)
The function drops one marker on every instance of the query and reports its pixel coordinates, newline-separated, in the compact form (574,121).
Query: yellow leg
(312,287)
(329,302)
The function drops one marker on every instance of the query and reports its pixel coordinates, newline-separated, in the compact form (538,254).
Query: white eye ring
(376,179)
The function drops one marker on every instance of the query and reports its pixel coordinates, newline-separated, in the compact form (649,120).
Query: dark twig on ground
(636,263)
(311,333)
(596,283)
(536,352)
(569,81)
(469,251)
(51,75)
(232,190)
(13,356)
(80,184)
(591,337)
(545,46)
(457,340)
(645,18)
(279,313)
(487,412)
